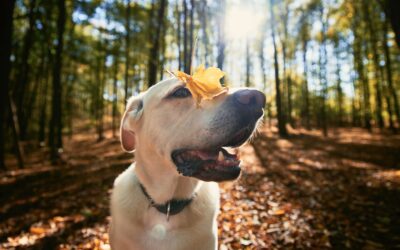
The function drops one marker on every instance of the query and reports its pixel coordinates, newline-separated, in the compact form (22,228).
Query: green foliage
(99,62)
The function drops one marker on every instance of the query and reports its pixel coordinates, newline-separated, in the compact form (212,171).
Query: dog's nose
(250,98)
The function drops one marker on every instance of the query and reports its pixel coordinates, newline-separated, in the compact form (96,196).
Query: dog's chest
(157,226)
(158,232)
(162,235)
(135,225)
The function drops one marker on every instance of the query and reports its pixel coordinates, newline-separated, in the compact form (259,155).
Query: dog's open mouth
(215,164)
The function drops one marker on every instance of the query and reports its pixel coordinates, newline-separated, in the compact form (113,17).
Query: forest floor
(300,192)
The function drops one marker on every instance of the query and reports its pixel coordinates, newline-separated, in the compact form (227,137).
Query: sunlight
(242,22)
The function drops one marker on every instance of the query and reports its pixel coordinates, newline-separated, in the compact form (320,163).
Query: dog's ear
(133,112)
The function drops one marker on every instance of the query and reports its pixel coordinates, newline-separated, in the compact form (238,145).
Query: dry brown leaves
(303,192)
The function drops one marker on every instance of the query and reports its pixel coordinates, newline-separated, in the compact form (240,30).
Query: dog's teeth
(220,156)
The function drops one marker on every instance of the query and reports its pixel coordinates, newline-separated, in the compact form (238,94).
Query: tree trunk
(179,42)
(287,83)
(366,96)
(155,46)
(221,34)
(191,51)
(323,72)
(55,137)
(281,118)
(355,114)
(16,134)
(262,60)
(305,102)
(23,76)
(31,100)
(185,37)
(389,75)
(100,80)
(390,113)
(43,107)
(263,73)
(163,47)
(127,48)
(100,108)
(339,91)
(289,100)
(392,10)
(248,64)
(69,95)
(378,77)
(202,13)
(356,100)
(115,93)
(6,30)
(362,77)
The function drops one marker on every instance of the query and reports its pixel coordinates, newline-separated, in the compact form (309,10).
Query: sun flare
(242,22)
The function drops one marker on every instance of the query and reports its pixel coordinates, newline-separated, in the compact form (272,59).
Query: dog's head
(165,123)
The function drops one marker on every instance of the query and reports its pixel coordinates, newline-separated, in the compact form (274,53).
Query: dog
(169,198)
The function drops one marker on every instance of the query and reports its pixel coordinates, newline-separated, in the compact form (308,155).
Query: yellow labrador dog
(169,198)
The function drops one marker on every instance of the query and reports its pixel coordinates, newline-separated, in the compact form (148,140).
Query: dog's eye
(181,93)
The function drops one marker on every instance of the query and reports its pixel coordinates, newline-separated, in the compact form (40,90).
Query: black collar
(171,207)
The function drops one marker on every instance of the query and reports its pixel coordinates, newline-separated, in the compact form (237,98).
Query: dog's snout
(248,97)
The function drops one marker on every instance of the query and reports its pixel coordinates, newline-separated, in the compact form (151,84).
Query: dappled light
(292,192)
(299,99)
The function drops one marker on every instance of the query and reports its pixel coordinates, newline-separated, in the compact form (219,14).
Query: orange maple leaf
(204,83)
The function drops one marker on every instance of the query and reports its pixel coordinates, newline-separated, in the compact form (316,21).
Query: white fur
(162,126)
(135,225)
(153,126)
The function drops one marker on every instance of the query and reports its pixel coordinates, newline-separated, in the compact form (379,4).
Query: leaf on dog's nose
(204,83)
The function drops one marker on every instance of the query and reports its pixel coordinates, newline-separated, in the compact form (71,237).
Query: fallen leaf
(245,242)
(204,83)
(278,212)
(37,230)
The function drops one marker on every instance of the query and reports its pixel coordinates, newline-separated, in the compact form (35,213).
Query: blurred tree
(191,41)
(334,62)
(392,9)
(248,65)
(186,53)
(374,49)
(116,55)
(304,36)
(6,29)
(284,38)
(127,48)
(24,74)
(323,58)
(204,17)
(46,75)
(281,117)
(56,126)
(221,34)
(389,73)
(359,65)
(157,25)
(339,90)
(178,35)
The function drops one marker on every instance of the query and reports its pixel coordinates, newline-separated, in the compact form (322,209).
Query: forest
(322,173)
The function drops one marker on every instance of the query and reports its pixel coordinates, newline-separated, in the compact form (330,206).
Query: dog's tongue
(207,165)
(221,156)
(200,155)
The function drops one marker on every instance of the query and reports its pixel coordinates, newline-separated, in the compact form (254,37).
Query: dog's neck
(171,207)
(161,180)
